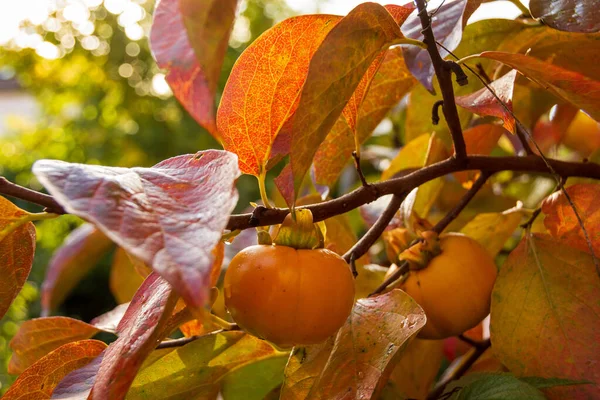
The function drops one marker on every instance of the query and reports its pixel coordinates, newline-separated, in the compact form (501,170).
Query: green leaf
(492,387)
(254,381)
(195,369)
(544,383)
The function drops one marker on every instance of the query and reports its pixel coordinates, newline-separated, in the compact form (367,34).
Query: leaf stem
(521,7)
(263,190)
(19,192)
(410,41)
(23,219)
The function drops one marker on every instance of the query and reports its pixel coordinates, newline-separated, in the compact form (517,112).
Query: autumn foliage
(496,124)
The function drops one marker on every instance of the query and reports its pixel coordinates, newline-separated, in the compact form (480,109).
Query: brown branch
(444,76)
(19,192)
(402,269)
(452,214)
(468,361)
(360,196)
(365,242)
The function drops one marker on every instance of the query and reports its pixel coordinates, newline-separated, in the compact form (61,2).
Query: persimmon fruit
(454,288)
(289,296)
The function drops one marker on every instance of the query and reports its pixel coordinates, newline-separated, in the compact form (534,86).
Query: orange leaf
(189,38)
(38,381)
(480,139)
(139,330)
(389,85)
(545,315)
(561,220)
(483,102)
(16,254)
(335,71)
(264,86)
(571,86)
(350,112)
(124,279)
(80,252)
(417,369)
(169,216)
(358,361)
(38,337)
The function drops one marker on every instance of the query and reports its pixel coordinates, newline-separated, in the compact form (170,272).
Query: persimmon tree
(499,143)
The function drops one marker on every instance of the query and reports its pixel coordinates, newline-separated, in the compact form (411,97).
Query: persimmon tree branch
(467,362)
(263,216)
(19,192)
(443,71)
(365,242)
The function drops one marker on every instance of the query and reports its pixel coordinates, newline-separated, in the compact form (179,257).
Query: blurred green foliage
(99,104)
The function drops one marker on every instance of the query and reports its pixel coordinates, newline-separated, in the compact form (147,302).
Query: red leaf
(169,216)
(483,102)
(16,254)
(71,262)
(78,384)
(447,25)
(110,320)
(39,380)
(561,220)
(572,86)
(38,337)
(139,331)
(567,15)
(189,38)
(335,71)
(263,87)
(387,88)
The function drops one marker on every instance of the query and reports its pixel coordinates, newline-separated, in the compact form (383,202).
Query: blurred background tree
(99,99)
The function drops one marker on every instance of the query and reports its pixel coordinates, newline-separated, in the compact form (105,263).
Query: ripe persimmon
(289,296)
(454,288)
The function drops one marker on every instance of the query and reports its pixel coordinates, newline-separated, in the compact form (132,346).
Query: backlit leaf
(583,134)
(335,71)
(480,139)
(483,102)
(412,155)
(124,279)
(492,230)
(350,112)
(447,25)
(573,87)
(38,381)
(80,252)
(264,86)
(189,39)
(16,254)
(138,331)
(196,368)
(169,216)
(360,357)
(545,315)
(39,336)
(567,15)
(387,88)
(561,220)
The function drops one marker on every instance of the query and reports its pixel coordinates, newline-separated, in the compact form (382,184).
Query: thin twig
(469,359)
(524,135)
(452,214)
(474,343)
(359,171)
(19,192)
(168,344)
(365,242)
(402,269)
(520,130)
(444,77)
